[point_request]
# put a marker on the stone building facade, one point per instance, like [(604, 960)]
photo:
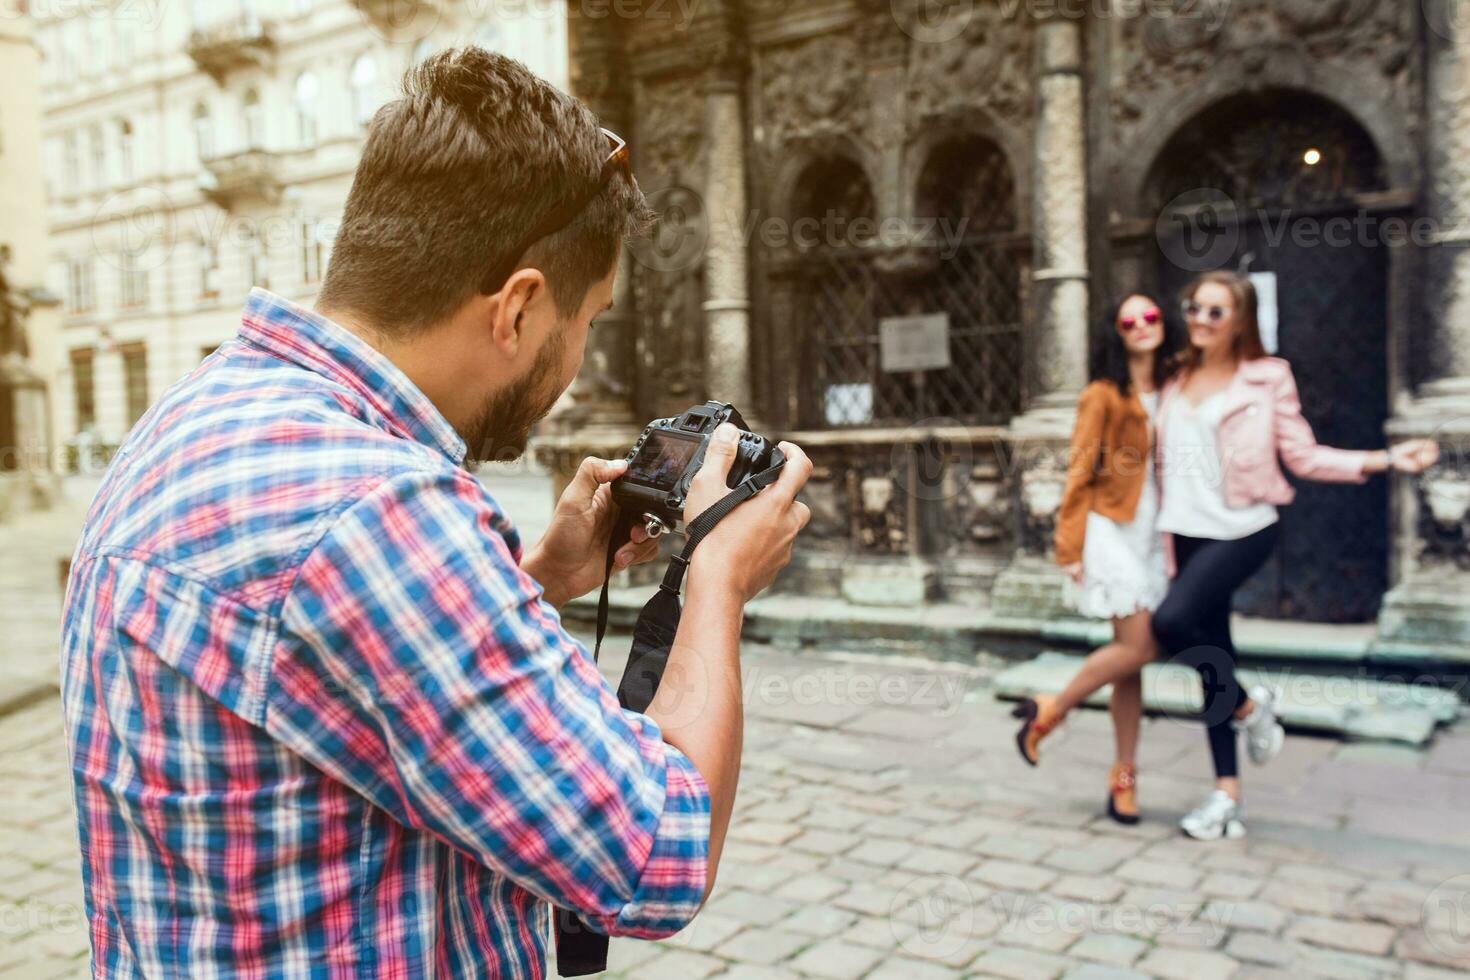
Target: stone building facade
[(825, 165)]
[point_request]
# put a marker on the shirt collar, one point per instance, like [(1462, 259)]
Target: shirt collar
[(302, 336)]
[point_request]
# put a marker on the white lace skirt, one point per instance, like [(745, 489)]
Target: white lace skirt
[(1123, 567)]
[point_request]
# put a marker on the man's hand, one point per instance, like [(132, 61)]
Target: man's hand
[(571, 557), (753, 542)]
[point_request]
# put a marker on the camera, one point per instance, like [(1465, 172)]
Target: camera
[(663, 461)]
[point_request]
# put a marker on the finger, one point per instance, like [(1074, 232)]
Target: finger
[(636, 554), (595, 472), (639, 535), (794, 474), (719, 456)]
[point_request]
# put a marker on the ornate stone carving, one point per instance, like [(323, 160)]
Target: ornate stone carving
[(811, 89), (1156, 55), (1444, 519), (670, 132), (988, 65)]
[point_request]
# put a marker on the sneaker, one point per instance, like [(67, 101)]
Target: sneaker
[(1264, 735), (1218, 816)]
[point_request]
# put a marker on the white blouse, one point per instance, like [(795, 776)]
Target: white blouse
[(1193, 482)]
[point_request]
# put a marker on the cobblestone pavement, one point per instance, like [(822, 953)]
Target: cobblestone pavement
[(886, 828)]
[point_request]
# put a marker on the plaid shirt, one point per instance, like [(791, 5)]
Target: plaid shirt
[(320, 721)]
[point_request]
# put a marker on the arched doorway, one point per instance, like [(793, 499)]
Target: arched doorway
[(956, 255), (1285, 181)]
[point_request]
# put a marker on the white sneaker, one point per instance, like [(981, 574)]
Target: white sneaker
[(1218, 816), (1264, 735)]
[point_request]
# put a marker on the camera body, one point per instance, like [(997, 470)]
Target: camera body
[(663, 461)]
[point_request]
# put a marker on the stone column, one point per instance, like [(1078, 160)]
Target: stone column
[(1056, 342), (726, 264), (1426, 616)]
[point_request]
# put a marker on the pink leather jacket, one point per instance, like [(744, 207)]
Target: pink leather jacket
[(1261, 426)]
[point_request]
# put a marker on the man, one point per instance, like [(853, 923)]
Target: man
[(322, 714)]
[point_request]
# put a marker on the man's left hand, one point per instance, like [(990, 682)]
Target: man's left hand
[(571, 557)]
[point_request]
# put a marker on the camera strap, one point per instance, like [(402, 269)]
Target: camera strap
[(579, 950)]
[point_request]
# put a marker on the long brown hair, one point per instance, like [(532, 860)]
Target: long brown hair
[(1248, 345)]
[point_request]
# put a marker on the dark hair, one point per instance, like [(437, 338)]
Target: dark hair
[(454, 173), (1110, 357), (1248, 344)]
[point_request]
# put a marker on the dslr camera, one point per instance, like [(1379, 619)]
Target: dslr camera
[(663, 461)]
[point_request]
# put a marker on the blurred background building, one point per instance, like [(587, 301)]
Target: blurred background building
[(829, 168), (193, 150)]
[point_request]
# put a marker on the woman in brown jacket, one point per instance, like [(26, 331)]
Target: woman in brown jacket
[(1107, 537)]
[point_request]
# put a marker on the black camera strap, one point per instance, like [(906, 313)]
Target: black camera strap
[(579, 950)]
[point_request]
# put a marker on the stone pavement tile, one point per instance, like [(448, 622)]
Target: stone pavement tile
[(1422, 823), (825, 842), (764, 947), (832, 817), (867, 899), (1092, 860), (1300, 898), (783, 811), (750, 908), (1223, 885), (1010, 874), (881, 851), (819, 920), (1230, 859), (755, 877), (904, 968), (1354, 937), (884, 934), (1418, 971), (708, 930), (1187, 964), (1317, 876), (1246, 916), (1434, 947), (677, 964), (763, 832), (1087, 888), (625, 956), (965, 832), (837, 959), (902, 723), (1019, 964), (811, 889), (935, 860), (1254, 947), (852, 871), (1111, 948), (744, 852), (1102, 971), (1399, 903), (1010, 847)]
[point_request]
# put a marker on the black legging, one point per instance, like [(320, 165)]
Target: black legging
[(1193, 625)]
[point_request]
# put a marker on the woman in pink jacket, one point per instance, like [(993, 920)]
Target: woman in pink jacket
[(1225, 423)]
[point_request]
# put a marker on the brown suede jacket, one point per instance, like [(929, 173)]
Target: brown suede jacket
[(1106, 468)]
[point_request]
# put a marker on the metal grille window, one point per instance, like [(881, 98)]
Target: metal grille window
[(959, 259), (84, 388), (135, 379)]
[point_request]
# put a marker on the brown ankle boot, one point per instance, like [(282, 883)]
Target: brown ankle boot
[(1039, 717), (1122, 793)]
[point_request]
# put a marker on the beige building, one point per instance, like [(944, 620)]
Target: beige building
[(193, 150), (30, 333)]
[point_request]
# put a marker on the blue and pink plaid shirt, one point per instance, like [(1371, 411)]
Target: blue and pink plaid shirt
[(320, 721)]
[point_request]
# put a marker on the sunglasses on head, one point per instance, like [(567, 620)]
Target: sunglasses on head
[(1214, 314), (1129, 322), (564, 215)]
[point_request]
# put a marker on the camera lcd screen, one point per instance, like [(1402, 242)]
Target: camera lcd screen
[(662, 460)]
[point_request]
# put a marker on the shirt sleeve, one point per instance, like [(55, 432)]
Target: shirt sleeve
[(418, 665)]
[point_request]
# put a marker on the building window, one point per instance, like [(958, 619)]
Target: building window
[(364, 89), (203, 132), (135, 379), (80, 292), (308, 93), (125, 151), (73, 152), (254, 114), (208, 271), (84, 387), (99, 155), (311, 252), (133, 282), (257, 263)]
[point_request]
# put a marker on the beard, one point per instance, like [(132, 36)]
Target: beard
[(501, 431)]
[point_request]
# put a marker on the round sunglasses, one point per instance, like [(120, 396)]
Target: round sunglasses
[(1214, 314), (1129, 322)]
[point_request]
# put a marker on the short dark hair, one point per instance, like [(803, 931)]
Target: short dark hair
[(454, 174)]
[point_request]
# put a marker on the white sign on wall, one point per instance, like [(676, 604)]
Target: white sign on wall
[(1269, 312), (914, 343)]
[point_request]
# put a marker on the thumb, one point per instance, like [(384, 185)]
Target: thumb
[(594, 472), (720, 455)]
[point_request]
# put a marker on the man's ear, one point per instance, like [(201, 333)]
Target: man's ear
[(521, 295)]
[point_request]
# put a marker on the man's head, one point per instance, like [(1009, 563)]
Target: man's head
[(453, 177)]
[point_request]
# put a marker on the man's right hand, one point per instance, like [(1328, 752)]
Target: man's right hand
[(750, 546)]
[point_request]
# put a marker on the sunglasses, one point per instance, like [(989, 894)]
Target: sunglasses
[(1129, 322), (565, 214), (1214, 314)]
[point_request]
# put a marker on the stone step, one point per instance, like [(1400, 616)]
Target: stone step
[(1357, 708)]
